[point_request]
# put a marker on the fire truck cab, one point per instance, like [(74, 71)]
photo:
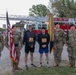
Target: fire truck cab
[(38, 23)]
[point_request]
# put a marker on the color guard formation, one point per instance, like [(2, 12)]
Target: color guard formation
[(29, 40)]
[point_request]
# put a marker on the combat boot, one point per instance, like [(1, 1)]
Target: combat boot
[(13, 67), (13, 70), (74, 66), (17, 68), (57, 65), (70, 65)]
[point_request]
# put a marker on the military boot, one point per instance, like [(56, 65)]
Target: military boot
[(13, 67), (17, 68), (57, 65), (70, 65), (74, 66)]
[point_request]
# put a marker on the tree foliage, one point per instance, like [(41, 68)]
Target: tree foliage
[(64, 8), (1, 29), (39, 10)]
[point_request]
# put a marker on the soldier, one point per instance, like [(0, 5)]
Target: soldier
[(72, 46), (29, 42), (59, 40), (43, 40), (1, 43), (18, 45)]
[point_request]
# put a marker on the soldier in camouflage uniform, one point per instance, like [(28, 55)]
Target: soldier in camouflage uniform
[(72, 46), (59, 41), (18, 45), (1, 43)]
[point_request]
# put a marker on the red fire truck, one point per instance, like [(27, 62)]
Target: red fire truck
[(63, 22)]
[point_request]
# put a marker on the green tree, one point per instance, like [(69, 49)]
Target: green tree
[(64, 8), (1, 29), (39, 10)]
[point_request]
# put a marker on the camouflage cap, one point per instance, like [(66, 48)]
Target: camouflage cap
[(71, 25), (13, 26)]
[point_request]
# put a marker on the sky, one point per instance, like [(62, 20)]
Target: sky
[(18, 7)]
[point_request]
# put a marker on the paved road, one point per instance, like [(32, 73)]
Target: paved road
[(5, 63)]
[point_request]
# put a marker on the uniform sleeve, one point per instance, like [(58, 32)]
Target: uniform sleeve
[(24, 38), (64, 37), (6, 42), (2, 42), (20, 38)]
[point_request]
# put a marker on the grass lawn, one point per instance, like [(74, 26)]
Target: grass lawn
[(64, 70)]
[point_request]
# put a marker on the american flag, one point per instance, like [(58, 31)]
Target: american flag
[(10, 40)]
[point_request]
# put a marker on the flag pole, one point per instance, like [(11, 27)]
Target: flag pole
[(10, 41), (50, 31)]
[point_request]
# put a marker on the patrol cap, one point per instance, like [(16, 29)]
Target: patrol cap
[(56, 24), (43, 28), (71, 25), (29, 24), (13, 26)]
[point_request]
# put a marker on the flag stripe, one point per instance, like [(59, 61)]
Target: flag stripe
[(10, 40)]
